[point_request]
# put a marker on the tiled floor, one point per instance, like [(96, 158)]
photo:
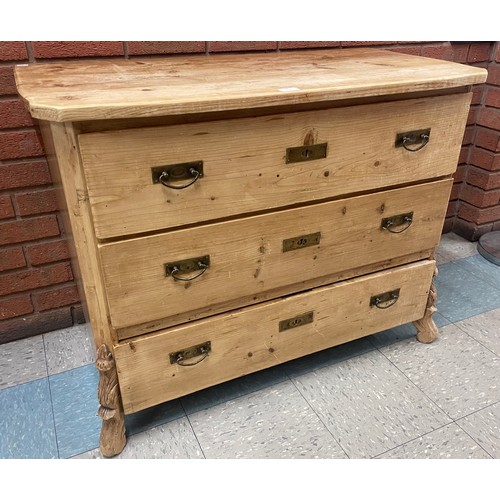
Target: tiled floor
[(384, 396)]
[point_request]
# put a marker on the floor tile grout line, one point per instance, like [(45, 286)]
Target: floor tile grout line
[(479, 444), (413, 439), (473, 338), (196, 436), (51, 400), (476, 411), (319, 418)]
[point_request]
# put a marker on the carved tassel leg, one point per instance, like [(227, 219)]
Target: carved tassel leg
[(427, 330), (110, 410)]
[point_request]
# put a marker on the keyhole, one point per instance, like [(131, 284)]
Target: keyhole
[(295, 322), (302, 241), (306, 153)]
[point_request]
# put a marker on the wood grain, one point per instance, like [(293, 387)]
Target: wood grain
[(342, 313), (244, 161), (246, 255), (96, 90)]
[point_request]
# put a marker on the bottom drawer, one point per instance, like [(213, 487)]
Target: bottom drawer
[(257, 337)]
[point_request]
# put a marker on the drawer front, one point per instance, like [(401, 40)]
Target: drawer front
[(247, 168), (260, 253), (250, 339)]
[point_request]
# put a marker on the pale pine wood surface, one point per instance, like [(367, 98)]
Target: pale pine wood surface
[(248, 340), (244, 161), (95, 90), (246, 255)]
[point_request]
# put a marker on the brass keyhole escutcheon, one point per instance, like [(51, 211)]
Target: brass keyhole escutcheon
[(301, 319)]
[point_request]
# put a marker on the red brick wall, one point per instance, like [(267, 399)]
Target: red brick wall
[(37, 291)]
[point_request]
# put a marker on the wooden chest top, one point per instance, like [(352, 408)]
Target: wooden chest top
[(99, 90)]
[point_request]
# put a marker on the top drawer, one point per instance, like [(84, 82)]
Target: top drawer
[(246, 167)]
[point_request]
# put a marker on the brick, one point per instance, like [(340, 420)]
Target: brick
[(150, 48), (13, 51), (441, 51), (365, 44), (53, 299), (448, 225), (489, 117), (241, 46), (482, 178), (455, 191), (45, 253), (307, 45), (11, 258), (452, 208), (497, 52), (37, 202), (459, 175), (78, 313), (480, 198), (472, 116), (14, 114), (459, 52), (493, 74), (6, 208), (412, 50), (488, 139), (49, 50), (28, 230), (26, 174), (20, 144), (479, 52), (21, 281), (477, 93), (493, 97), (7, 81), (468, 135), (469, 230), (35, 324), (15, 306), (485, 159), (478, 215), (464, 155)]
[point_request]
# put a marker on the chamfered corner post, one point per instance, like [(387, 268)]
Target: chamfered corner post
[(112, 440), (427, 330)]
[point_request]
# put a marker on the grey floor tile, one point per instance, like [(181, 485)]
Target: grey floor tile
[(68, 348), (453, 247), (275, 422), (484, 427), (74, 399), (328, 357), (462, 294), (485, 328), (448, 442), (368, 405), (22, 361), (26, 422), (173, 440), (152, 417), (388, 337), (456, 372), (233, 389)]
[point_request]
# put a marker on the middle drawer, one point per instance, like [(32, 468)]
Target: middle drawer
[(244, 257)]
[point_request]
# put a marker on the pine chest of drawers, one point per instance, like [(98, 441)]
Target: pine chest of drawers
[(233, 212)]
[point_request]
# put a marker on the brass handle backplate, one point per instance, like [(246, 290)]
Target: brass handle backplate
[(187, 266), (389, 223), (180, 357), (385, 300), (306, 153), (170, 175), (301, 319), (407, 139)]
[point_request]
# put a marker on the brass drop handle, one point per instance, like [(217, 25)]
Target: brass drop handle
[(175, 271), (407, 140), (179, 359), (387, 298), (389, 223), (163, 178)]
